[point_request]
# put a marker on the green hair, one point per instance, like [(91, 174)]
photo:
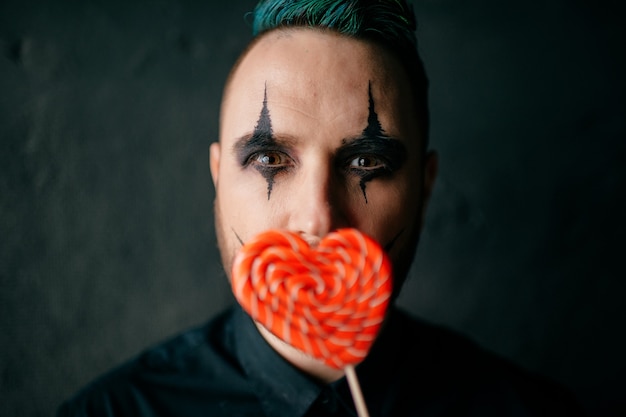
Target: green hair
[(389, 23), (390, 19)]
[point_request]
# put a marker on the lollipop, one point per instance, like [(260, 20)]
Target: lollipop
[(328, 301)]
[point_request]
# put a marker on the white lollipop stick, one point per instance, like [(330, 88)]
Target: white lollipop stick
[(355, 389)]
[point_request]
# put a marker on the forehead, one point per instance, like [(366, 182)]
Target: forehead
[(321, 77)]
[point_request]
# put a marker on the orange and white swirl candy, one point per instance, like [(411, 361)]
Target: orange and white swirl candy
[(328, 301)]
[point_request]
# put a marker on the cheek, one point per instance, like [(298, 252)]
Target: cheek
[(392, 211), (236, 219), (244, 206)]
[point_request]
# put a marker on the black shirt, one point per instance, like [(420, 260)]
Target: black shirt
[(225, 368)]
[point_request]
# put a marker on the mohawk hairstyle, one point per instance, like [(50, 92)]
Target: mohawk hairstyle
[(389, 23)]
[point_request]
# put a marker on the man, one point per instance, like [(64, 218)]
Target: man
[(323, 125)]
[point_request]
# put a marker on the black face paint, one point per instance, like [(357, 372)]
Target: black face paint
[(264, 124), (237, 236), (392, 242), (373, 129), (261, 149), (375, 153), (372, 134)]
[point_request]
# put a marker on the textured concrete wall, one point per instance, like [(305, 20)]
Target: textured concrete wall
[(106, 236)]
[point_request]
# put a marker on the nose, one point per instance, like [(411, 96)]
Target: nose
[(317, 206)]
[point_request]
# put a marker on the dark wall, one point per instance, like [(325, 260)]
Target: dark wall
[(106, 229)]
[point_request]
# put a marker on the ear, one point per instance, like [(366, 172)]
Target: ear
[(431, 167), (214, 161)]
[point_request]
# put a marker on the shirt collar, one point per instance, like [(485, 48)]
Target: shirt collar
[(280, 387), (283, 390)]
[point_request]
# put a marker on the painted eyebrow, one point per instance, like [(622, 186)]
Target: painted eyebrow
[(253, 142), (261, 138), (391, 148), (373, 140), (258, 142)]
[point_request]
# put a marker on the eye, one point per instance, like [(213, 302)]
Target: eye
[(367, 162), (269, 159)]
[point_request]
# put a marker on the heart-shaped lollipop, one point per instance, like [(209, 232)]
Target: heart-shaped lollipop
[(328, 301)]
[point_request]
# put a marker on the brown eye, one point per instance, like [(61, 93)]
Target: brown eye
[(269, 159), (367, 162)]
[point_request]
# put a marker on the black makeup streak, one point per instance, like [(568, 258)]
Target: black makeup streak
[(390, 244), (264, 124), (373, 130), (262, 137), (237, 236), (373, 143)]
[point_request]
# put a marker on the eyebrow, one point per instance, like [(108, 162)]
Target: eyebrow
[(258, 142), (374, 140), (392, 148), (261, 138)]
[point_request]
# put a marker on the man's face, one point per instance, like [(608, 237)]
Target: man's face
[(319, 131)]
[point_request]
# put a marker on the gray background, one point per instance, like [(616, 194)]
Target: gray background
[(106, 112)]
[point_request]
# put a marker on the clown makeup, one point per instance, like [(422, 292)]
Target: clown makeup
[(373, 154), (261, 150), (390, 244), (368, 156), (237, 236), (318, 132)]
